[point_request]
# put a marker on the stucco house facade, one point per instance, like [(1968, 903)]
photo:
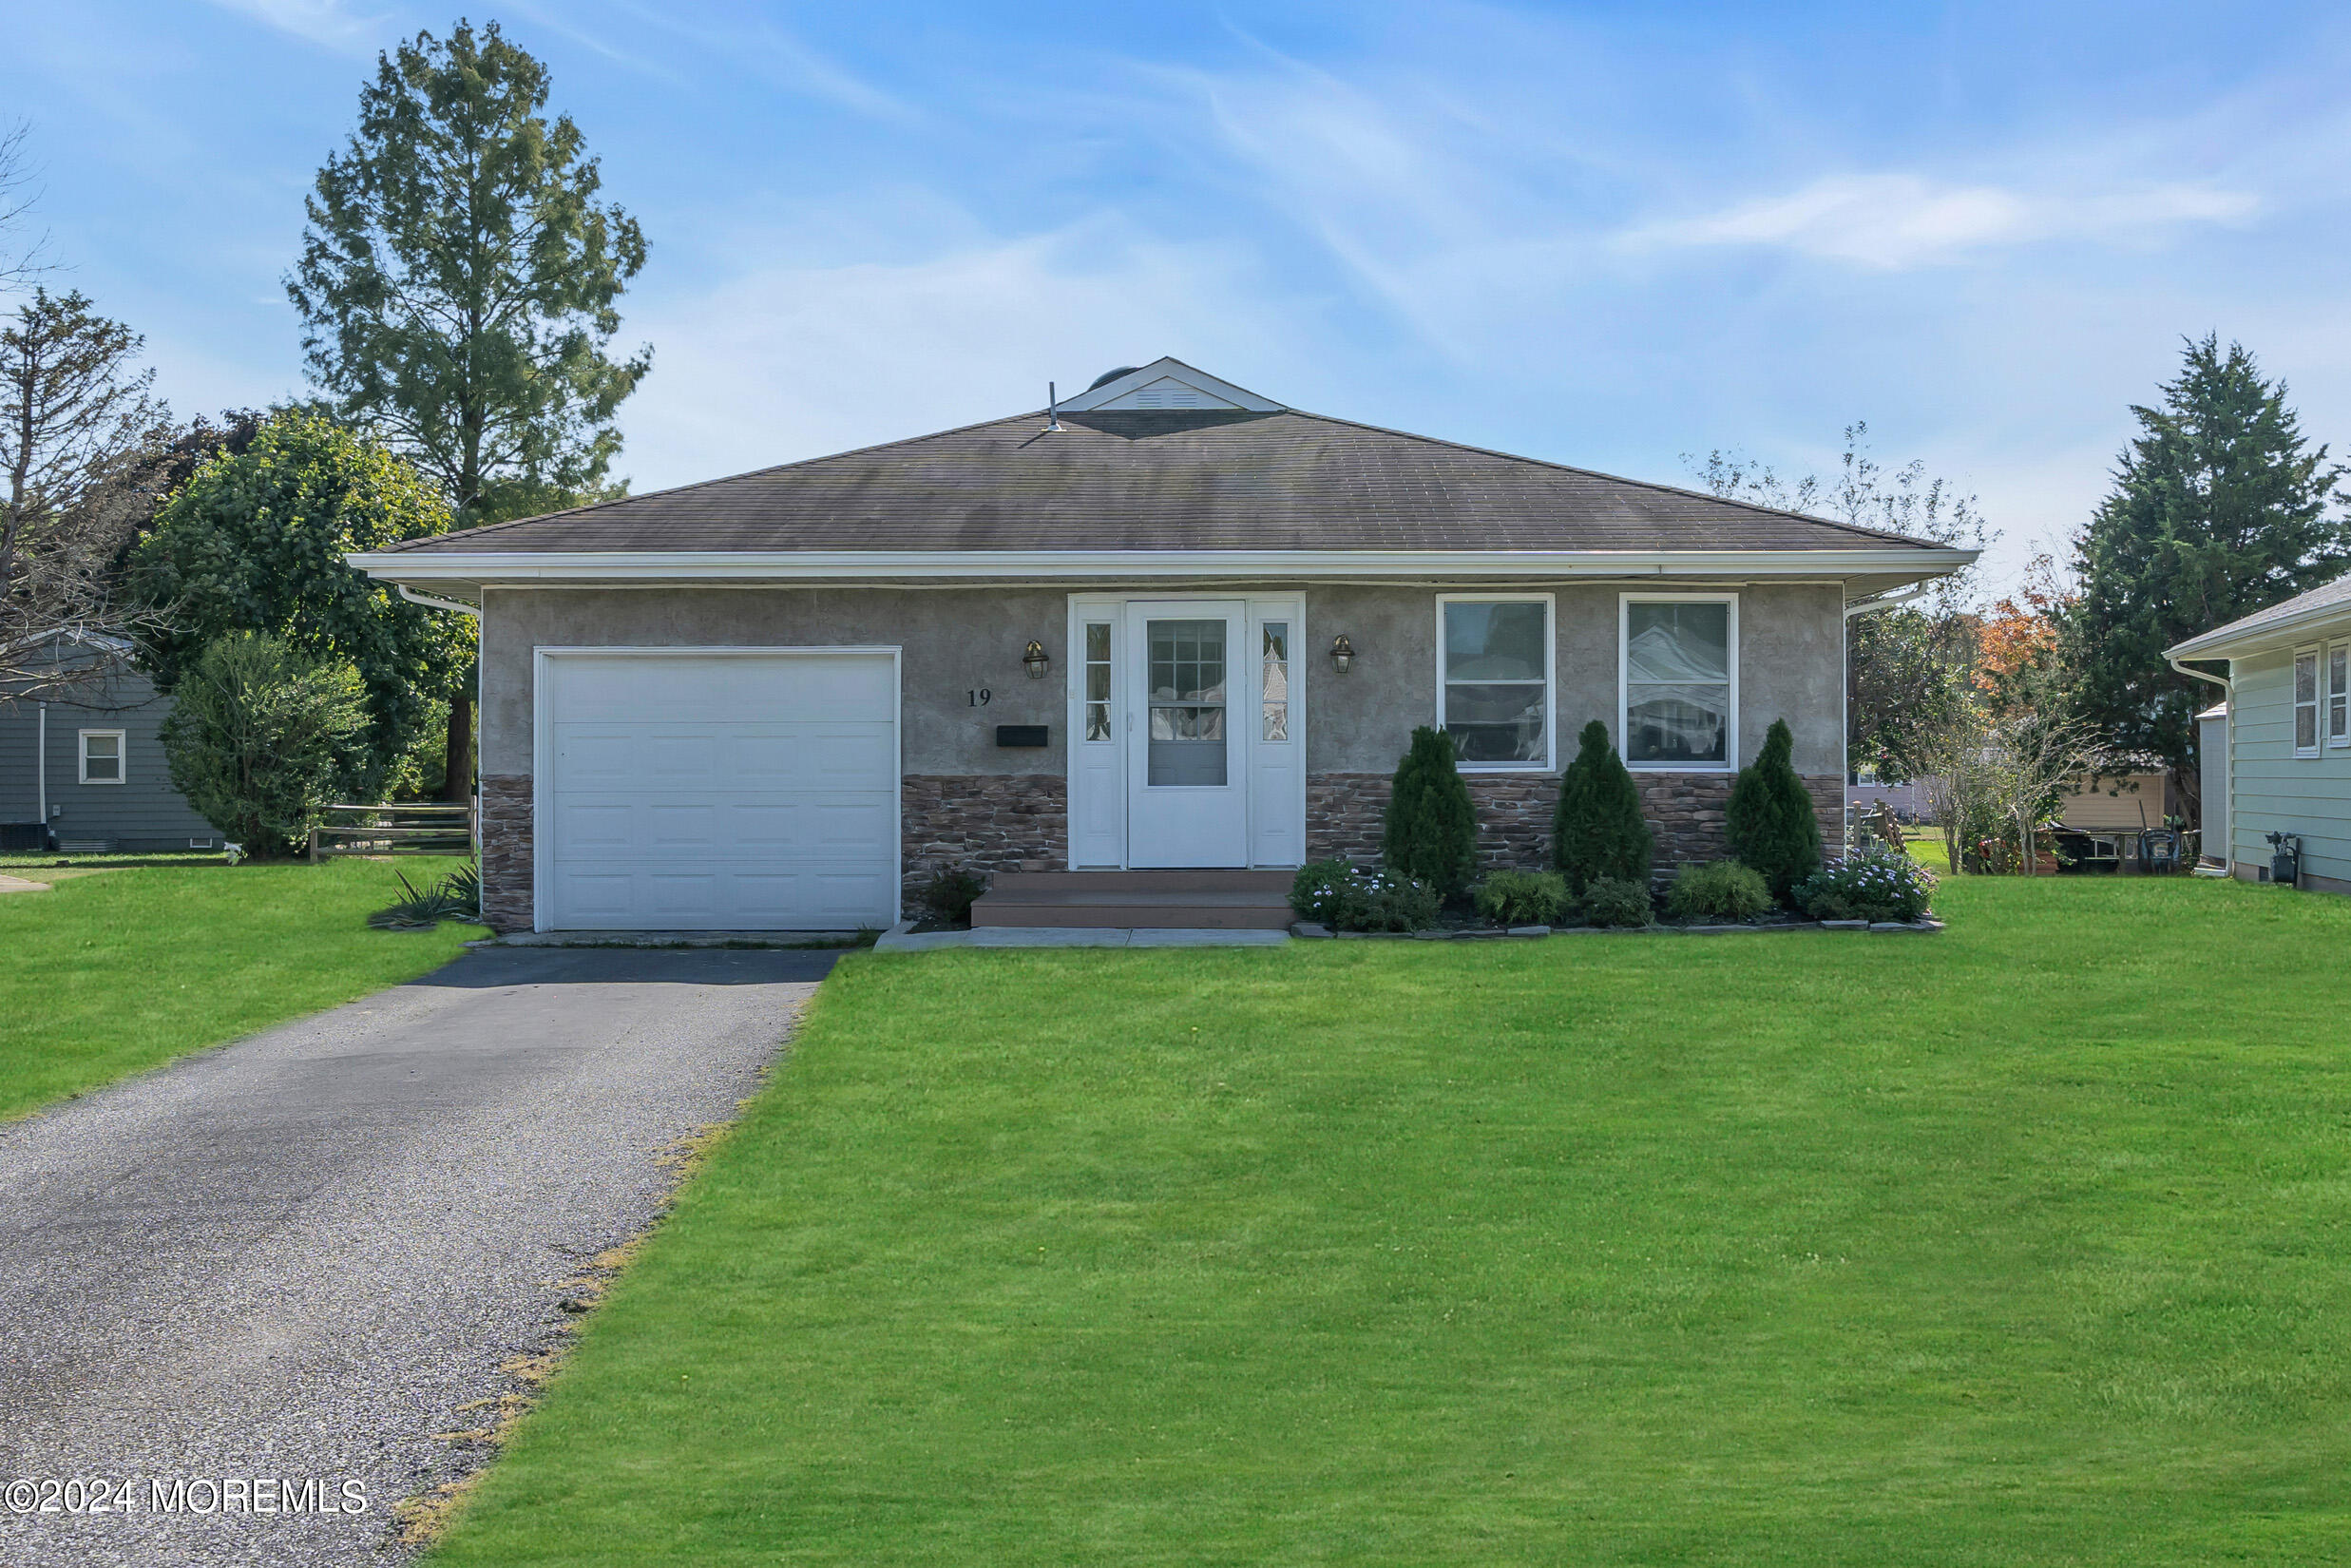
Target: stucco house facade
[(1169, 625), (2285, 734)]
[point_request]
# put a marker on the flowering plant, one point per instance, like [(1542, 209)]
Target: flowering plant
[(1873, 884), (1349, 898)]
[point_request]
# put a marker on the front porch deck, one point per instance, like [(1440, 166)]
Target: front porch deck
[(1225, 901)]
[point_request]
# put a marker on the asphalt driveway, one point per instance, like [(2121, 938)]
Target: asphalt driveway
[(295, 1260)]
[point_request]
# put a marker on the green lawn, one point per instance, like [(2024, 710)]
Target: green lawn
[(2025, 1243), (112, 972)]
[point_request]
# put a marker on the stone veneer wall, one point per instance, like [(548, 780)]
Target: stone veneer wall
[(1343, 814), (505, 852), (983, 822)]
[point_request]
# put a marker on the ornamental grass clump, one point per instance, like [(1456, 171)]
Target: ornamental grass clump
[(1769, 821), (1597, 829), (1723, 891), (1614, 901), (1523, 898), (1432, 834), (1876, 885)]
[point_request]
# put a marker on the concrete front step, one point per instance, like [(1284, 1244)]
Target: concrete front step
[(1112, 899)]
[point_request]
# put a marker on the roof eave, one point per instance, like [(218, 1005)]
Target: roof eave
[(591, 566), (2233, 641)]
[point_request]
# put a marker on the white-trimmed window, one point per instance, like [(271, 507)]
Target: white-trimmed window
[(1495, 653), (101, 757), (1677, 662), (2338, 695), (2306, 702)]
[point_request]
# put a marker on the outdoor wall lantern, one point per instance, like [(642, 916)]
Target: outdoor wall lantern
[(1033, 659), (1342, 653)]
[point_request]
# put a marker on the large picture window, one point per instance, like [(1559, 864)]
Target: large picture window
[(1494, 680), (1679, 669)]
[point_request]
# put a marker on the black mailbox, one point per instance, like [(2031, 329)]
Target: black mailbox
[(1021, 734)]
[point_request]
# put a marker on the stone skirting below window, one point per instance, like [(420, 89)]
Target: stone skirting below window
[(982, 822), (505, 852), (1344, 814)]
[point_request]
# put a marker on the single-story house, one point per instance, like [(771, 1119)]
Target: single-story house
[(82, 767), (1169, 624), (2286, 731)]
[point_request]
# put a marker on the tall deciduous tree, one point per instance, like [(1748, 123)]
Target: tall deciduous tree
[(2219, 509), (76, 419), (1907, 668), (458, 287), (255, 543)]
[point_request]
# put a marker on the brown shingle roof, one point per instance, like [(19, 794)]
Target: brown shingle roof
[(1169, 481)]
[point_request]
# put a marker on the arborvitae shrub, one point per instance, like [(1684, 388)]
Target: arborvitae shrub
[(1770, 823), (1598, 830), (1433, 831)]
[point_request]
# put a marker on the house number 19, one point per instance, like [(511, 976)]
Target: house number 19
[(978, 697)]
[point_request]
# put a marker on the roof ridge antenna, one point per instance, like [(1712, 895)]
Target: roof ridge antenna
[(1053, 409)]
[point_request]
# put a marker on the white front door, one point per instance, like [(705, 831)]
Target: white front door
[(1187, 758)]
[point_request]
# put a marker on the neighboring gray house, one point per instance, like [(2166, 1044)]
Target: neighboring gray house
[(2287, 732), (1171, 626), (88, 764)]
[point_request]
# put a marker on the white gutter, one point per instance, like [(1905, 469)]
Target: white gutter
[(41, 768), (431, 603), (522, 566), (1886, 602)]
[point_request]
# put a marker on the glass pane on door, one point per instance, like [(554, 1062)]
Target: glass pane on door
[(1187, 701)]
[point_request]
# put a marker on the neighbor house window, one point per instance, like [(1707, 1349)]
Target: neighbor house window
[(101, 757), (2338, 695), (1274, 657), (1678, 665), (2307, 703), (1098, 680), (1494, 680)]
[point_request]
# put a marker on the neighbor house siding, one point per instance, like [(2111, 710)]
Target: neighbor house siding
[(141, 812), (2276, 791)]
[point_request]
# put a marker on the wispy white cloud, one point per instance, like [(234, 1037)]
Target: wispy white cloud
[(780, 57), (1898, 221), (330, 24)]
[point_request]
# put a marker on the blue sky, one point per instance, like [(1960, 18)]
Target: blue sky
[(1608, 235)]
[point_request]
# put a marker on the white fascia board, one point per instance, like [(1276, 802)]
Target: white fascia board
[(2324, 621), (1171, 368), (526, 567)]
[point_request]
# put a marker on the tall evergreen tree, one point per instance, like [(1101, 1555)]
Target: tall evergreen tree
[(2218, 511), (1769, 821), (458, 284), (1431, 833)]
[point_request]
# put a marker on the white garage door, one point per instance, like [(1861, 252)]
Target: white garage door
[(707, 791)]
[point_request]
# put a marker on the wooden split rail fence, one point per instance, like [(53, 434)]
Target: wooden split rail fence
[(393, 830)]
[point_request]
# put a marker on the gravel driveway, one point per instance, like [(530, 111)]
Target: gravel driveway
[(300, 1257)]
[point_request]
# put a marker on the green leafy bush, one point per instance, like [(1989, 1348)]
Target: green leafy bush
[(1769, 822), (260, 738), (1873, 884), (1615, 900), (1432, 831), (1723, 891), (950, 896), (1597, 829), (1523, 898), (1349, 899)]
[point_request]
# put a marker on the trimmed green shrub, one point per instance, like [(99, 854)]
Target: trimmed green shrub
[(1432, 831), (260, 738), (1314, 892), (1723, 891), (1770, 823), (1522, 898), (1614, 901), (1872, 884), (1597, 829), (949, 895)]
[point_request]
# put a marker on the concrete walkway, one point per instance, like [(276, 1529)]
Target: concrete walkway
[(299, 1258)]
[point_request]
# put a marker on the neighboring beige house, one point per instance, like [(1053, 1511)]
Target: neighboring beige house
[(1171, 625), (2287, 731)]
